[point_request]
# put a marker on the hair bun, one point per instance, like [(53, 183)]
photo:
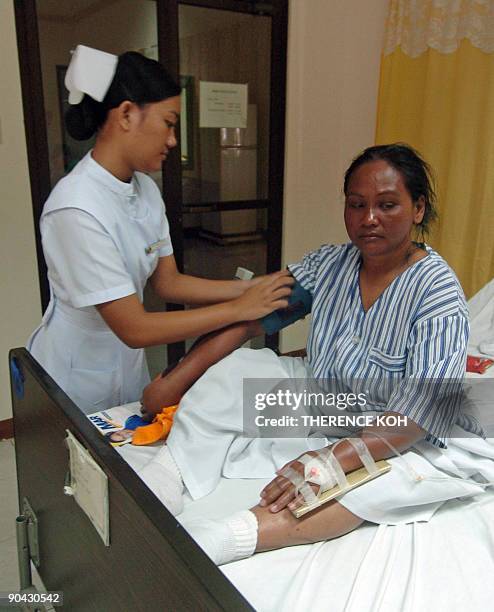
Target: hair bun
[(83, 119)]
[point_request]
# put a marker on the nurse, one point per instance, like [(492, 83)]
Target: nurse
[(105, 233)]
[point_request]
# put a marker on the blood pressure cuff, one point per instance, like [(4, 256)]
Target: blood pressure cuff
[(299, 305)]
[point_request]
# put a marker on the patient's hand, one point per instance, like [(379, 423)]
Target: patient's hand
[(160, 393), (262, 298), (208, 350), (280, 492)]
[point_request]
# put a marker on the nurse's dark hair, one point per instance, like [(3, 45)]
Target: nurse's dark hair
[(415, 172), (137, 78)]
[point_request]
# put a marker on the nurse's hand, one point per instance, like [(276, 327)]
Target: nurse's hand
[(269, 294), (261, 278)]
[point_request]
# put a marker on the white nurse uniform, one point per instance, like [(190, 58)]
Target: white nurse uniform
[(102, 239)]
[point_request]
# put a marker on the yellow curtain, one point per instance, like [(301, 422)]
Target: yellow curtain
[(437, 94)]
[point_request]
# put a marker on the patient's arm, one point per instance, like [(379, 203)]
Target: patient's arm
[(167, 390), (280, 492)]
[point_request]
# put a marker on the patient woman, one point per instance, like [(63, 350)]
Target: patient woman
[(388, 314)]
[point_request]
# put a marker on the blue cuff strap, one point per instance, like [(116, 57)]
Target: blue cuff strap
[(299, 305)]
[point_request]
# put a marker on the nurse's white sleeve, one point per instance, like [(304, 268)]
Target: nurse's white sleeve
[(167, 248), (84, 265)]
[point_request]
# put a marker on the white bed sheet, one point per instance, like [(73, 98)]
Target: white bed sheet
[(481, 310), (443, 565)]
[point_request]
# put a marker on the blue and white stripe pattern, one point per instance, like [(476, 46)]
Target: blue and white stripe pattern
[(407, 352)]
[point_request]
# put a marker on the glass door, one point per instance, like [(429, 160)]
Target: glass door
[(224, 169), (229, 208)]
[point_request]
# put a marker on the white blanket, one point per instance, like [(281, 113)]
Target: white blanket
[(444, 565)]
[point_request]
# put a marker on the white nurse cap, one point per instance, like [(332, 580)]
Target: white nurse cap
[(90, 72)]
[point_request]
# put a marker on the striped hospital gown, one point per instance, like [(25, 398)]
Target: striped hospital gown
[(407, 352)]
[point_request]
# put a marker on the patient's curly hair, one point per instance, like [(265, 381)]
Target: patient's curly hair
[(415, 171)]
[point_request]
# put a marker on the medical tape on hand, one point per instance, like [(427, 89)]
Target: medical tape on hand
[(362, 451), (414, 475), (324, 470), (329, 456), (318, 472), (338, 471), (298, 481), (305, 490), (292, 475)]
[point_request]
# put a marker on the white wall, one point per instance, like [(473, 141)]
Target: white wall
[(20, 307), (334, 53)]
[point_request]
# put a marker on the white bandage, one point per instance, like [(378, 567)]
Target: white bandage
[(298, 481), (319, 471), (324, 470)]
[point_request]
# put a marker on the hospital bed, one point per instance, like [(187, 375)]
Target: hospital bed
[(152, 563)]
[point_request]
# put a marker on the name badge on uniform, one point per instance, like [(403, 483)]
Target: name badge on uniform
[(155, 246)]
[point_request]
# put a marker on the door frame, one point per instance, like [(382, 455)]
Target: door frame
[(33, 106), (168, 47)]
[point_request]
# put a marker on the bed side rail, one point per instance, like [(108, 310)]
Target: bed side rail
[(151, 564)]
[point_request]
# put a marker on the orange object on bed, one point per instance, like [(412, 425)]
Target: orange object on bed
[(157, 430)]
